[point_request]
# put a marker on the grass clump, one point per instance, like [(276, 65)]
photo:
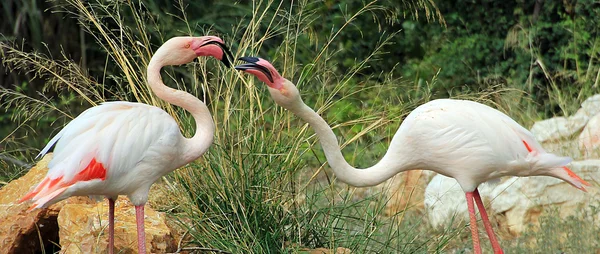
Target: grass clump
[(260, 188), (264, 186), (576, 233)]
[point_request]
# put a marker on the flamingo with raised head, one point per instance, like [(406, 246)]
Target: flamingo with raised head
[(465, 140), (122, 148)]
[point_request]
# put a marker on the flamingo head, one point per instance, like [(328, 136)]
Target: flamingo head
[(282, 90), (184, 49)]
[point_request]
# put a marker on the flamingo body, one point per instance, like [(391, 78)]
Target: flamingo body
[(470, 142), (465, 140), (116, 148), (122, 148)]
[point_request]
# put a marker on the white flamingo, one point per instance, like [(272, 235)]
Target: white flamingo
[(122, 148), (465, 140)]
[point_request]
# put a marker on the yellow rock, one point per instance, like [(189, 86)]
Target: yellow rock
[(83, 228), (82, 222), (20, 231)]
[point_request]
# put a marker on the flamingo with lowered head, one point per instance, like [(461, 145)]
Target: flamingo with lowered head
[(465, 140), (122, 148)]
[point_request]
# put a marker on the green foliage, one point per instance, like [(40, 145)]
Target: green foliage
[(551, 56), (264, 187), (249, 194)]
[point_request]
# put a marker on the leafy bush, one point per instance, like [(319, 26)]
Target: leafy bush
[(347, 57)]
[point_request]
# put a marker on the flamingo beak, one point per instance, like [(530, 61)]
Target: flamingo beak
[(252, 64), (227, 56)]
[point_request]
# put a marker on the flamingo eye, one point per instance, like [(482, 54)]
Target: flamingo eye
[(187, 46)]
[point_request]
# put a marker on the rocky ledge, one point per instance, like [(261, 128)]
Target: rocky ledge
[(77, 224)]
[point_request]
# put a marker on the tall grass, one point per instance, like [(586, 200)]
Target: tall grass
[(577, 233), (574, 79), (262, 187)]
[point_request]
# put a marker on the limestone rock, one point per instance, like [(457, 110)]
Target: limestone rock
[(579, 119), (591, 106), (589, 139), (589, 170), (517, 201), (20, 230), (520, 201), (84, 229), (17, 227), (445, 201), (554, 129), (561, 127)]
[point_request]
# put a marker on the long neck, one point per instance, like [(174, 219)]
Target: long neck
[(205, 129), (383, 170)]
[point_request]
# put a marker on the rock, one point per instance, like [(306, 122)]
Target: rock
[(17, 227), (578, 120), (445, 201), (561, 127), (517, 202), (589, 170), (589, 139), (20, 231), (83, 228), (591, 106), (554, 129), (520, 201)]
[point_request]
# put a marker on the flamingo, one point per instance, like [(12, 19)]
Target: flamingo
[(465, 140), (122, 148)]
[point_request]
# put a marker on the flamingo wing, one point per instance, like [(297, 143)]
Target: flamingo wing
[(527, 139), (537, 156), (101, 144)]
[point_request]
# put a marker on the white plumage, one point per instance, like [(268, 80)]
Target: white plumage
[(105, 133), (122, 148), (470, 142), (465, 140)]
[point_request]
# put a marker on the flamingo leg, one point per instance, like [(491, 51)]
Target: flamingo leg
[(474, 232), (111, 225), (487, 224), (139, 217)]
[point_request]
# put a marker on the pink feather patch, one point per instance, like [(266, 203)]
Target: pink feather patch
[(94, 170)]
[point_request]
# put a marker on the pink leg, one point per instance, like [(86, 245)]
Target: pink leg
[(139, 217), (111, 225), (474, 232), (487, 224)]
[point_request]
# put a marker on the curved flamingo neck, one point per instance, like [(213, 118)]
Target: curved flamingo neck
[(195, 146), (383, 170)]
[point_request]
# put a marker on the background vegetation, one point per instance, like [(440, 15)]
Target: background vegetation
[(364, 65)]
